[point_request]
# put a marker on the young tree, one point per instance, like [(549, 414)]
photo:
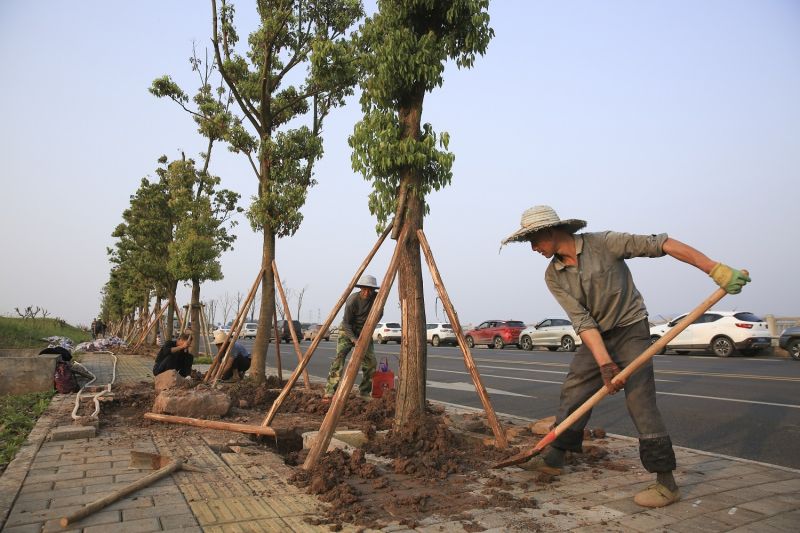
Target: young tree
[(298, 67), (404, 49)]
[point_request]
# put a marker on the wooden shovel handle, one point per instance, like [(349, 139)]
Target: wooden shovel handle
[(645, 356)]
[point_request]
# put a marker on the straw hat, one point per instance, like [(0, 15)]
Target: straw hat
[(219, 336), (541, 217), (367, 282)]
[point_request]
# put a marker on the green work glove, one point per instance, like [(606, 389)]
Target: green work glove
[(728, 278)]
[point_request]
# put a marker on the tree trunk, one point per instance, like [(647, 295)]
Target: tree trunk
[(171, 312), (153, 335), (194, 309), (261, 344), (414, 348)]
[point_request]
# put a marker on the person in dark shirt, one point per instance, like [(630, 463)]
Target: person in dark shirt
[(356, 311), (589, 278), (238, 353), (174, 355)]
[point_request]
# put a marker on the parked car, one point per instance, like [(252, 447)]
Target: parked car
[(495, 333), (440, 333), (721, 332), (554, 333), (313, 331), (387, 331), (249, 330), (790, 341), (286, 334)]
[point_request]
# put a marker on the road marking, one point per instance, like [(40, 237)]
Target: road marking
[(495, 376), (729, 399), (471, 387)]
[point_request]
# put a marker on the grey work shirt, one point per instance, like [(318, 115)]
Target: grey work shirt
[(599, 292), (356, 311)]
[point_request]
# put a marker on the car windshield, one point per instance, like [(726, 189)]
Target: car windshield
[(748, 317), (447, 326), (515, 324), (393, 325)]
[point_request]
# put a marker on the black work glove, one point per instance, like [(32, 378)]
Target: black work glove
[(608, 371)]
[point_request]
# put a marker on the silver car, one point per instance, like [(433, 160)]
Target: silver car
[(554, 333)]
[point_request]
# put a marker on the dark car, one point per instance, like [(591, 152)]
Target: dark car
[(790, 341), (286, 334), (495, 333)]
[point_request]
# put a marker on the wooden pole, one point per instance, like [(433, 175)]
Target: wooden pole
[(204, 330), (218, 366), (643, 358), (114, 496), (328, 321), (151, 324), (212, 424), (292, 332), (499, 434), (277, 348), (342, 392)]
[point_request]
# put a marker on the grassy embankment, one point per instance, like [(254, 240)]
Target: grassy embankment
[(28, 333), (19, 413)]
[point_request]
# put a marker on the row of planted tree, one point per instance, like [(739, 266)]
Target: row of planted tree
[(267, 100)]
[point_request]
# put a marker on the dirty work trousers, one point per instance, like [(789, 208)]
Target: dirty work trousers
[(624, 344), (240, 363), (368, 364), (180, 361)]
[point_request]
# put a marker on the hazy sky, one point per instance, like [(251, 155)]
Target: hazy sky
[(680, 117)]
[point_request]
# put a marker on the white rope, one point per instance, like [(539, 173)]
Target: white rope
[(97, 396)]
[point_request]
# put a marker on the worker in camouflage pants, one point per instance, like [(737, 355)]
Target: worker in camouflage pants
[(356, 311)]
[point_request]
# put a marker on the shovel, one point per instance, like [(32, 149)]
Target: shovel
[(645, 356), (163, 466)]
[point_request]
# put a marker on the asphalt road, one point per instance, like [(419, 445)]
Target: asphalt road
[(743, 407)]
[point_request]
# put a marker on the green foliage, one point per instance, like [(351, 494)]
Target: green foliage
[(18, 415), (404, 48), (292, 35), (21, 333)]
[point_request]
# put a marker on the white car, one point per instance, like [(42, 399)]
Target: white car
[(249, 330), (554, 333), (721, 332), (387, 331), (440, 333)]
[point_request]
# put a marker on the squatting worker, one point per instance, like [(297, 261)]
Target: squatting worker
[(174, 355), (588, 276), (238, 354), (356, 310)]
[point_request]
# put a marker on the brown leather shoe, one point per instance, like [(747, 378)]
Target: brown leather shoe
[(657, 495), (537, 464)]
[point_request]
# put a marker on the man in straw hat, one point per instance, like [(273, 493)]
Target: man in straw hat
[(588, 277), (238, 353), (356, 310)]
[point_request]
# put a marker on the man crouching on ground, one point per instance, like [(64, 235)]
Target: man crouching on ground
[(589, 278), (174, 355)]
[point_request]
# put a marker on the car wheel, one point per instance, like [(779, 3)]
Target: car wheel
[(722, 347), (498, 343), (653, 340), (794, 349), (567, 344), (435, 340), (380, 340), (470, 342), (526, 343)]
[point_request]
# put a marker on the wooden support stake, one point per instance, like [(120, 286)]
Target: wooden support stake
[(212, 424), (292, 332), (277, 348), (114, 496), (204, 331), (233, 334), (150, 325), (328, 321), (342, 392), (499, 434)]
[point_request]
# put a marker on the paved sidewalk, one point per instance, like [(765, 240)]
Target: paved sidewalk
[(248, 491)]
